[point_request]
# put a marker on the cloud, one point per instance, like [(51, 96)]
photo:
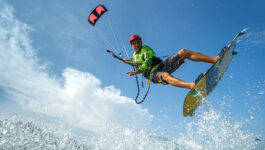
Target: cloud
[(76, 97)]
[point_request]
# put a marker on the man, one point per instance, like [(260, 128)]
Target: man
[(158, 71)]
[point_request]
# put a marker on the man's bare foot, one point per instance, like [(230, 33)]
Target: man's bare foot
[(217, 58), (192, 85)]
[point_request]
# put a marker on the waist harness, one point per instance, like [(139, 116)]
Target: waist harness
[(155, 61)]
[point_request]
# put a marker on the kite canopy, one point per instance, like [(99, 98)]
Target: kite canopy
[(96, 14)]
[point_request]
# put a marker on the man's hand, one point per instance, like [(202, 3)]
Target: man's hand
[(127, 61), (132, 73)]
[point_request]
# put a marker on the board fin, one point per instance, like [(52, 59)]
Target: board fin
[(234, 52)]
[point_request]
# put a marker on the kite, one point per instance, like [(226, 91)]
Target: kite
[(96, 14)]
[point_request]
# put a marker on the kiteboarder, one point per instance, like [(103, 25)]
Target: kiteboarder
[(159, 71)]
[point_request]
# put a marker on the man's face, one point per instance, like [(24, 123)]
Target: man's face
[(136, 44)]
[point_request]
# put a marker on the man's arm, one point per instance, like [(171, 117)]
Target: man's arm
[(131, 62)]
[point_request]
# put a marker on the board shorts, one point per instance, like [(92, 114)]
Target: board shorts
[(169, 65)]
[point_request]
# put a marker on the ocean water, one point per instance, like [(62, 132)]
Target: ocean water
[(210, 130)]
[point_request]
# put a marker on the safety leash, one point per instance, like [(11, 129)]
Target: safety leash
[(138, 91), (137, 81)]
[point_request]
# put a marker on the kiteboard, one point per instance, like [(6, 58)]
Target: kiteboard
[(210, 79)]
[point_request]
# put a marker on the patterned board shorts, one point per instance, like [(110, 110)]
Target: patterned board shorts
[(169, 65)]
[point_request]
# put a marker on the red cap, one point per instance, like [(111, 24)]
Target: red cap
[(133, 37)]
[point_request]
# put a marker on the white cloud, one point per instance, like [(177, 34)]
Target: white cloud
[(76, 97)]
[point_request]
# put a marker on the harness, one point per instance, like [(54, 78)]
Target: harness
[(156, 63)]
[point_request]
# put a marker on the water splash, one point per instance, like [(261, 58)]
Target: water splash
[(211, 130), (17, 133)]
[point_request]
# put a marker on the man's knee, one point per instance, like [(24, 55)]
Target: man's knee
[(184, 53), (166, 76)]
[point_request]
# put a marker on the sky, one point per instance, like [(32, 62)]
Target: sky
[(54, 63)]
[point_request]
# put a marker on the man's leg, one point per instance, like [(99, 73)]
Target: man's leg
[(175, 81), (195, 56)]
